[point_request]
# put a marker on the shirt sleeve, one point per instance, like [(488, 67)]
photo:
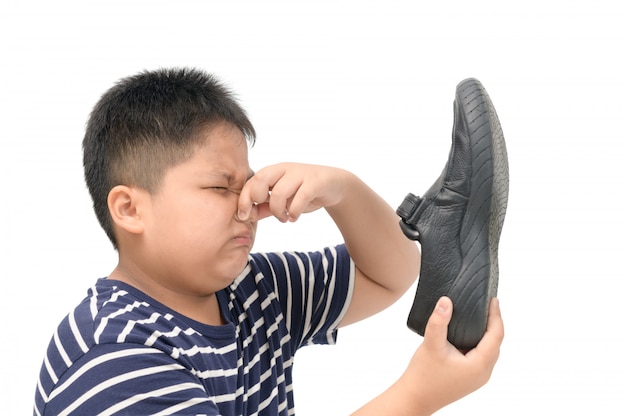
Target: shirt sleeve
[(314, 290), (127, 379)]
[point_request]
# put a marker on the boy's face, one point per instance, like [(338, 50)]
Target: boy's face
[(194, 243)]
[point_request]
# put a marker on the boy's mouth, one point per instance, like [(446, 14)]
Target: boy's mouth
[(244, 240)]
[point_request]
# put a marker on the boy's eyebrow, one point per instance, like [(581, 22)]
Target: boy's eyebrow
[(228, 176)]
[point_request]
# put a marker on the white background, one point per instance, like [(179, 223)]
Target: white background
[(367, 86)]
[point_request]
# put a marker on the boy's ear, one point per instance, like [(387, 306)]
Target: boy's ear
[(125, 206)]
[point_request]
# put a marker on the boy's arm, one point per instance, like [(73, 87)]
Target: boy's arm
[(387, 263)]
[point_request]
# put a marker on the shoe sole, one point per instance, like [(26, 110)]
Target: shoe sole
[(477, 280)]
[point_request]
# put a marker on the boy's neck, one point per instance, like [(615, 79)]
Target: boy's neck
[(205, 309)]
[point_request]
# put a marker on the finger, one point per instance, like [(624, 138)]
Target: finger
[(495, 325), (262, 211), (257, 213), (281, 186), (281, 196), (436, 333), (302, 199), (256, 191), (489, 345)]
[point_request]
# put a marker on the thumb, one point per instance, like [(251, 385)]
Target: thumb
[(436, 332)]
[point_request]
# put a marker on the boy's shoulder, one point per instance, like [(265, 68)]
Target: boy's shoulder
[(114, 316), (116, 313), (103, 315)]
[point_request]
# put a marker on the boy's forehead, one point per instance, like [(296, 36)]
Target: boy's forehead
[(215, 162), (221, 136), (221, 128)]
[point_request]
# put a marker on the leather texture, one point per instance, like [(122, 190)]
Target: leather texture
[(458, 220)]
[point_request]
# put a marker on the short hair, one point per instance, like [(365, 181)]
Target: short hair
[(147, 123)]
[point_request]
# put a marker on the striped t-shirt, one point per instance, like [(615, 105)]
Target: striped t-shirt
[(122, 353)]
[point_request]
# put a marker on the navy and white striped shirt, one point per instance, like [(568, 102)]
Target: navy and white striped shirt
[(121, 352)]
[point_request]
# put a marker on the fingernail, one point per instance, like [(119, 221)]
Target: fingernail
[(242, 215), (442, 306)]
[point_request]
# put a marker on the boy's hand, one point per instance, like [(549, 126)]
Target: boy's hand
[(287, 190), (439, 373)]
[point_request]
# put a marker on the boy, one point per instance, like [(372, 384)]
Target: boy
[(190, 322)]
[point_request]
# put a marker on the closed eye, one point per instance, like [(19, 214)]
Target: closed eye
[(224, 189), (216, 188)]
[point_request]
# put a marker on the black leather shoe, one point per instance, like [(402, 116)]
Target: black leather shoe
[(459, 219)]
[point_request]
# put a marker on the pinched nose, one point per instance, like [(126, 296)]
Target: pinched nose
[(251, 216)]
